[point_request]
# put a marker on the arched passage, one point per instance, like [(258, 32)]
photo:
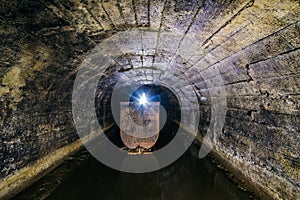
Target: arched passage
[(246, 52)]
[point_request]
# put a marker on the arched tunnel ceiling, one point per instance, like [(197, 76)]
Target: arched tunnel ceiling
[(247, 50), (223, 35)]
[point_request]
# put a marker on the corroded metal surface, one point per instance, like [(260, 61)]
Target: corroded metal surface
[(139, 125)]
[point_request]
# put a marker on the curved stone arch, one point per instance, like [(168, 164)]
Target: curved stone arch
[(129, 43), (95, 65)]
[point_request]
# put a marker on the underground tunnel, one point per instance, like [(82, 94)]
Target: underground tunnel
[(148, 99)]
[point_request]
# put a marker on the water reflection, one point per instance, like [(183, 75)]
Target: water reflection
[(188, 178)]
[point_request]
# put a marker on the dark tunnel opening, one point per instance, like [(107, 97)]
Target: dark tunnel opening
[(239, 56), (155, 93)]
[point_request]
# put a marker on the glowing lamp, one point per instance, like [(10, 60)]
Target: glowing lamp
[(143, 99)]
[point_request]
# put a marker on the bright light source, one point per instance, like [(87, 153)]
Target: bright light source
[(143, 99)]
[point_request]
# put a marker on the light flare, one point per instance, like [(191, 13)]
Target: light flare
[(143, 99)]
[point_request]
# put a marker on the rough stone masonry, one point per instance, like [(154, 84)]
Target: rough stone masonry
[(253, 45)]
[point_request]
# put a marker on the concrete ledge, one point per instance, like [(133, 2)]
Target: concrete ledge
[(244, 172), (238, 174), (14, 184)]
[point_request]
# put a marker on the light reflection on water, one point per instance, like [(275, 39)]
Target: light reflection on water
[(189, 178)]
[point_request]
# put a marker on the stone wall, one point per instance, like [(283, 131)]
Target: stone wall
[(36, 83), (248, 50)]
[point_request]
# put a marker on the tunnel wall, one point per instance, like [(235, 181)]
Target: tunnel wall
[(37, 130), (261, 133), (254, 45)]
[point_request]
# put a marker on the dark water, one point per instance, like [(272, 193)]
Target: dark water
[(189, 178)]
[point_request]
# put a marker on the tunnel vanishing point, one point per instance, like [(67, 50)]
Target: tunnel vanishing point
[(236, 60)]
